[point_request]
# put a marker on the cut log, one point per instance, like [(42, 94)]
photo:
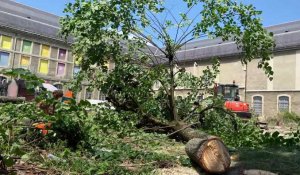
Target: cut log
[(210, 153), (205, 150)]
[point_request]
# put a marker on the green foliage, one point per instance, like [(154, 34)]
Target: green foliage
[(286, 119), (92, 139), (99, 26), (10, 145), (275, 139), (290, 117), (220, 124), (31, 79), (83, 139), (248, 134), (122, 31), (102, 32), (235, 21), (108, 21)]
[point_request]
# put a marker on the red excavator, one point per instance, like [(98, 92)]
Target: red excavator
[(230, 93)]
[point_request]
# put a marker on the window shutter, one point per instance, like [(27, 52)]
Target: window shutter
[(43, 66), (4, 59), (26, 46), (25, 61), (6, 42), (45, 51)]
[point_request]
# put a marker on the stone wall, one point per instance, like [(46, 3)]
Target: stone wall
[(270, 101)]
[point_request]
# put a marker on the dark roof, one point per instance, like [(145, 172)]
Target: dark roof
[(27, 19), (287, 37)]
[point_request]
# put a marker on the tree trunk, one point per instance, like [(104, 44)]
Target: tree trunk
[(186, 133), (172, 103), (210, 153)]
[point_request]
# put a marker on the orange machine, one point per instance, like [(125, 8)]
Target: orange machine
[(67, 96), (230, 93), (43, 127)]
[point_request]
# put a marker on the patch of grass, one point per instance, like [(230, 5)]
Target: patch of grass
[(289, 119), (130, 155), (276, 160)]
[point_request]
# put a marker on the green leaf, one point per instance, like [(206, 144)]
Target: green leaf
[(275, 134), (8, 161)]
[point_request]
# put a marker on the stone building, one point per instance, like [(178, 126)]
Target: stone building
[(267, 98), (29, 39)]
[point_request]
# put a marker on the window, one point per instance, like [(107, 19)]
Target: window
[(229, 92), (43, 67), (6, 42), (45, 52), (76, 70), (88, 94), (283, 103), (60, 69), (102, 96), (25, 61), (4, 59), (258, 104), (26, 48), (62, 54), (58, 86)]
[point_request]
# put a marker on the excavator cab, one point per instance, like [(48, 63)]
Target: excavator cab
[(230, 93)]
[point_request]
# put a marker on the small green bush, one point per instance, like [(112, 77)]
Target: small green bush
[(248, 134)]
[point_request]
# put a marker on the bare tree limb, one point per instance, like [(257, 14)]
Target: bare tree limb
[(178, 27)]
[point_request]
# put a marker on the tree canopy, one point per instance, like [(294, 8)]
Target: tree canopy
[(102, 28), (142, 37)]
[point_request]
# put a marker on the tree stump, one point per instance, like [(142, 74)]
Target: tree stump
[(210, 153)]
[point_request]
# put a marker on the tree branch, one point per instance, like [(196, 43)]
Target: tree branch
[(183, 128)]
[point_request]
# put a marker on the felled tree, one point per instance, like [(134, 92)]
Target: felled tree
[(142, 37), (123, 31)]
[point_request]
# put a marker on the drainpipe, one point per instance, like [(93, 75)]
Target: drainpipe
[(246, 75)]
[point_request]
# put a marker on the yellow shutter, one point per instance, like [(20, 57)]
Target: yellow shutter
[(6, 42), (45, 51), (25, 61), (43, 67)]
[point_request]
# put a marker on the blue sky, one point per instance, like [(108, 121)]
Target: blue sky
[(274, 11)]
